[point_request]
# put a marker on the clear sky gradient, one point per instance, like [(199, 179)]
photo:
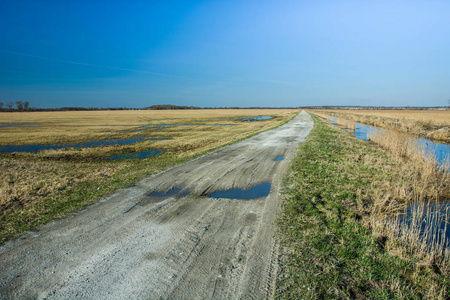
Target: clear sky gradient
[(225, 53)]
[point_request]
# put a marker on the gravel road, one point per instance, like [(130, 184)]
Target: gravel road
[(169, 237)]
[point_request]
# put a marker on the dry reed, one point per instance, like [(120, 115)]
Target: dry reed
[(425, 186), (431, 124)]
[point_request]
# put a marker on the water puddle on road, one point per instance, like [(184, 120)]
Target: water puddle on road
[(258, 191)]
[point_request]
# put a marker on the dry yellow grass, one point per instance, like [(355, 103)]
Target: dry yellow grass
[(439, 117), (31, 183), (64, 127), (433, 124)]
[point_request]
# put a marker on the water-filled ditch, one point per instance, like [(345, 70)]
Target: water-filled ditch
[(432, 221), (440, 151)]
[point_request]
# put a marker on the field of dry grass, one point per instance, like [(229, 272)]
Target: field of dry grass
[(36, 187), (432, 124)]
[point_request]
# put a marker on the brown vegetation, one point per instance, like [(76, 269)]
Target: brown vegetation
[(433, 124), (31, 182)]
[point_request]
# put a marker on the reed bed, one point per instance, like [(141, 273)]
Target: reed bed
[(428, 185), (430, 180), (432, 124)]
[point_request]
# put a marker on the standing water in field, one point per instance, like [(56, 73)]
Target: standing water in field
[(260, 118), (429, 221), (137, 155), (106, 142), (14, 125)]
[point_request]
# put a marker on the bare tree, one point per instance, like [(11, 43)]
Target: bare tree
[(26, 105), (9, 106), (19, 105), (1, 105)]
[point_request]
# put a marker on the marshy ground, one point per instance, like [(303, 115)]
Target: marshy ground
[(37, 187)]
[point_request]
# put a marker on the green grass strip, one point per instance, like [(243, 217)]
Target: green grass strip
[(327, 253)]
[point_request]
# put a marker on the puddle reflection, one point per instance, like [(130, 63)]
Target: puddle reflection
[(430, 220), (106, 142), (258, 191)]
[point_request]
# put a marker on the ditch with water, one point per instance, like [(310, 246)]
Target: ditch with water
[(433, 220)]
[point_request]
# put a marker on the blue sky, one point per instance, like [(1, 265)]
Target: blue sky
[(225, 53)]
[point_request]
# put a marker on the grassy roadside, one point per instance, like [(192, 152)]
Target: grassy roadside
[(37, 188), (331, 246)]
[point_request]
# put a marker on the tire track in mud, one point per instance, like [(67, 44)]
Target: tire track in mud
[(152, 241)]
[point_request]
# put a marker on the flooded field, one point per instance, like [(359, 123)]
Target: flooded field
[(260, 118), (66, 130), (54, 162), (12, 125), (106, 142), (137, 155)]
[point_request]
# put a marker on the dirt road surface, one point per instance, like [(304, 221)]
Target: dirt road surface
[(170, 236)]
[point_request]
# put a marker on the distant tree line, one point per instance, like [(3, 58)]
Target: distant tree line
[(20, 106), (170, 107), (25, 106)]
